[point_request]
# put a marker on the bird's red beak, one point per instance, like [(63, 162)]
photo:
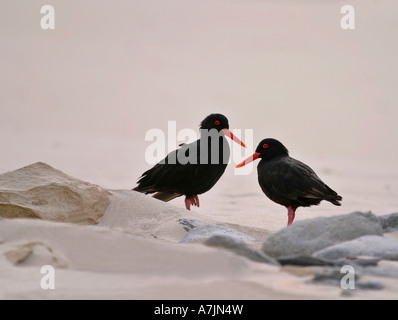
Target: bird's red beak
[(230, 135), (248, 160)]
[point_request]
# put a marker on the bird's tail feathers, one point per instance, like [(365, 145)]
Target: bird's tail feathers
[(336, 200), (166, 196)]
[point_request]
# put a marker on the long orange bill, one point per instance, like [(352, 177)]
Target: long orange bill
[(230, 135), (248, 160)]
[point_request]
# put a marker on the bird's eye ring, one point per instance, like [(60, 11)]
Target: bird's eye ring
[(217, 122), (265, 146)]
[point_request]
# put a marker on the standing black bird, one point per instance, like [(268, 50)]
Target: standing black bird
[(194, 168), (288, 181)]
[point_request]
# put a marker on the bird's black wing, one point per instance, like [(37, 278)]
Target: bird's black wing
[(186, 171), (169, 174), (291, 180)]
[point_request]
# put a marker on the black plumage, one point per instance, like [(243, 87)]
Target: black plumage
[(194, 168), (288, 181)]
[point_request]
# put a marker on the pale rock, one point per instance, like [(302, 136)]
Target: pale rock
[(372, 245), (35, 254), (40, 191)]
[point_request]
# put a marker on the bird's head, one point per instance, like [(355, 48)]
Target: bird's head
[(215, 121), (267, 149), (219, 122)]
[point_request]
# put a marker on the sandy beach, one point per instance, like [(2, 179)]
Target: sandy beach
[(78, 101), (136, 247)]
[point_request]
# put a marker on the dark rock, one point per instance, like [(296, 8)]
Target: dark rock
[(307, 236), (381, 271), (239, 248), (334, 276), (389, 222), (189, 224), (369, 285), (331, 275), (359, 262), (303, 260)]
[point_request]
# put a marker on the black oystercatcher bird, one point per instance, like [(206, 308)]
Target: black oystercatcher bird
[(288, 181), (194, 168)]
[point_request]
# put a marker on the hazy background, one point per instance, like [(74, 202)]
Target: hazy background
[(82, 96)]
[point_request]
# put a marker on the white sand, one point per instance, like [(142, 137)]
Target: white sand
[(134, 253), (98, 263)]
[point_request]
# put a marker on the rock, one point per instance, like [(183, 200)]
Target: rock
[(189, 224), (375, 246), (369, 285), (40, 191), (240, 248), (308, 236), (35, 254), (209, 230), (382, 271), (389, 222), (359, 262), (334, 276), (304, 261), (19, 254)]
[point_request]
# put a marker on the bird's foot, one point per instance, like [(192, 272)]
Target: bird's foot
[(290, 215), (194, 200)]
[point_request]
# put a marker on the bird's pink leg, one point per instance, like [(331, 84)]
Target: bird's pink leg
[(290, 215), (188, 203), (194, 200)]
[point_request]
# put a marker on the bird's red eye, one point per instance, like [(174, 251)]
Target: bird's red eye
[(217, 122), (265, 146)]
